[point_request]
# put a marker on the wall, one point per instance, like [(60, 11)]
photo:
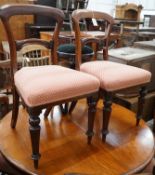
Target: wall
[(16, 22)]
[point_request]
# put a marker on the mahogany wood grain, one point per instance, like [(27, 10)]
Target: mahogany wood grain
[(128, 149)]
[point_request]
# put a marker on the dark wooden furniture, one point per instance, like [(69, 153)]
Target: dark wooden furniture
[(128, 149), (4, 105), (5, 71), (45, 85), (5, 83), (33, 31), (113, 77), (40, 23)]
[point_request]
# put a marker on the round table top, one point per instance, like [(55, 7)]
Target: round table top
[(63, 143)]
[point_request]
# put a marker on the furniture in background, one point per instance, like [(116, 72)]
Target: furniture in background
[(149, 20), (128, 11), (47, 24), (40, 23), (87, 43), (45, 85), (139, 57), (4, 105), (149, 26), (5, 72), (35, 55), (68, 6), (113, 77), (67, 37)]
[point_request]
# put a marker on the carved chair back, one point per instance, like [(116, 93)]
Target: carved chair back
[(83, 14), (7, 11)]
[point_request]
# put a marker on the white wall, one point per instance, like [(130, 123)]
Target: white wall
[(108, 6)]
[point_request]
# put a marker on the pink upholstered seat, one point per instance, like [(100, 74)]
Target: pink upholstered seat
[(53, 83), (115, 76)]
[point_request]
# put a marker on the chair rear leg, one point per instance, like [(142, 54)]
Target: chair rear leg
[(48, 110), (64, 109), (141, 101), (72, 106), (92, 101), (106, 114), (15, 108), (34, 129)]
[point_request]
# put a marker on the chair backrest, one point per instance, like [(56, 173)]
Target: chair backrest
[(84, 14), (35, 55), (7, 11)]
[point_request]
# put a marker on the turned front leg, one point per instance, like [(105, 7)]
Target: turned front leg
[(106, 114), (141, 102), (34, 129), (91, 116)]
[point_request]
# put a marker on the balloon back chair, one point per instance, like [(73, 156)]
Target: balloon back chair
[(113, 77), (45, 85), (100, 36)]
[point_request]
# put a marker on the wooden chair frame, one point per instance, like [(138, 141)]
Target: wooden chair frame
[(107, 96), (6, 12)]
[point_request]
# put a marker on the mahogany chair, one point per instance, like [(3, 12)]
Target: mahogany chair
[(105, 23), (113, 77), (45, 85)]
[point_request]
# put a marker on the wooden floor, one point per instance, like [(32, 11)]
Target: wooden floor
[(64, 148)]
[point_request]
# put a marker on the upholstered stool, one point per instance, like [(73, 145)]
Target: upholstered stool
[(68, 52), (113, 78)]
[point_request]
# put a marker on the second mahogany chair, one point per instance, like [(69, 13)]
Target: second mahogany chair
[(113, 76), (43, 86)]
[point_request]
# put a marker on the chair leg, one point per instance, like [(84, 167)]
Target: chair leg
[(141, 101), (92, 101), (34, 129), (72, 106), (48, 110), (64, 109), (15, 108), (106, 114)]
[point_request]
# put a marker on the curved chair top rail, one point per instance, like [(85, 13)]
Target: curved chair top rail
[(79, 14), (7, 11), (84, 14)]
